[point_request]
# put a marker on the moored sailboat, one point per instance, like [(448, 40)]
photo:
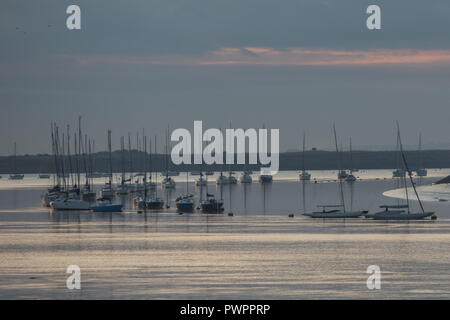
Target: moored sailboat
[(393, 212), (336, 211), (15, 175)]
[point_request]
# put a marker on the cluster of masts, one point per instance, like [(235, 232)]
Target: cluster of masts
[(72, 191), (347, 175), (389, 212)]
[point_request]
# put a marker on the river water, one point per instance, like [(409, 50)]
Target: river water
[(258, 253)]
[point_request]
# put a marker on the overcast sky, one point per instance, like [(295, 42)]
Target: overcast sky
[(294, 65)]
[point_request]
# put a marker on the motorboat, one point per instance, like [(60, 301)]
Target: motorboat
[(44, 176)]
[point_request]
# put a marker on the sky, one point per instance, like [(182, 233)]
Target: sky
[(298, 66)]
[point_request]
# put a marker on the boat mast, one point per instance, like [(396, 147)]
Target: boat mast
[(303, 153), (110, 158), (156, 173), (145, 167), (339, 165), (131, 158), (90, 174), (409, 173), (80, 149), (55, 154), (122, 147), (351, 156), (420, 151), (69, 156)]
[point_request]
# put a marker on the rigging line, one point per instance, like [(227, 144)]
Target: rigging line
[(409, 171)]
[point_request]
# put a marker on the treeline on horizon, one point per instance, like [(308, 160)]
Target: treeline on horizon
[(314, 160)]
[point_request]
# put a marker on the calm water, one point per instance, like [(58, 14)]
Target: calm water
[(258, 253)]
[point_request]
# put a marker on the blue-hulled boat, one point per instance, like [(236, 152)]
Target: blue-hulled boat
[(106, 207)]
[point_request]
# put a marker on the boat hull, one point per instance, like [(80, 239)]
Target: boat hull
[(185, 207), (107, 208), (335, 214), (69, 205), (212, 207), (265, 179), (155, 205), (399, 215)]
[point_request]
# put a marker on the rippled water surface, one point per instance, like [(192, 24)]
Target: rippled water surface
[(258, 253)]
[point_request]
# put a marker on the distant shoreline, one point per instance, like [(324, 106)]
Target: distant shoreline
[(314, 160)]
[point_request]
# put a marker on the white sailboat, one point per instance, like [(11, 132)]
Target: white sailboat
[(350, 177), (398, 172), (185, 203), (336, 211), (421, 171), (304, 175), (15, 175), (155, 202), (167, 182), (394, 212), (123, 188), (107, 192), (64, 203)]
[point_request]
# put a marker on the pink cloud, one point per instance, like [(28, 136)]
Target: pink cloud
[(288, 57)]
